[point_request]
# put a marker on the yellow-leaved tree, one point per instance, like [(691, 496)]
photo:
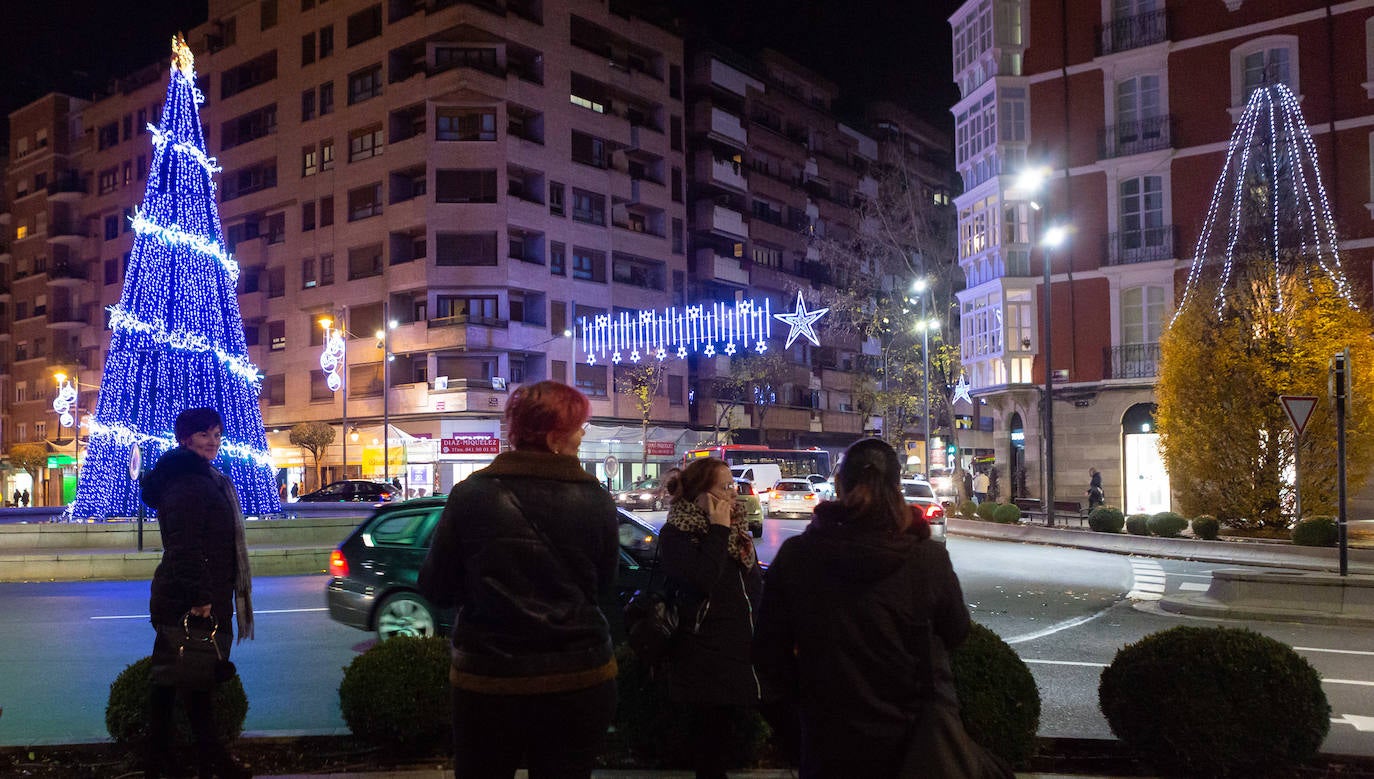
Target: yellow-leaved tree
[(1226, 441)]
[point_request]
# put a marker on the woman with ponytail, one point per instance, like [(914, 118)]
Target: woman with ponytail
[(857, 618), (708, 559)]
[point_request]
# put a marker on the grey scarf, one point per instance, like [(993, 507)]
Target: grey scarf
[(243, 582)]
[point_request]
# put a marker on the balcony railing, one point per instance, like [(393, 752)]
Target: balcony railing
[(1132, 361), (1138, 137), (466, 319), (1145, 245), (69, 183), (1132, 32)]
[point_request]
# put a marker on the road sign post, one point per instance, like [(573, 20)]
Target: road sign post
[(610, 464), (1339, 387), (1299, 410)]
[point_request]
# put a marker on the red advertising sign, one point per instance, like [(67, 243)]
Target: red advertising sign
[(483, 443), (661, 449)]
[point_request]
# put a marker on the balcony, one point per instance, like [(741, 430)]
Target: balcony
[(1132, 361), (68, 188), (68, 317), (726, 127), (1138, 137), (5, 292), (720, 219), (6, 254), (1132, 32), (67, 275), (727, 269), (71, 234), (1128, 247)]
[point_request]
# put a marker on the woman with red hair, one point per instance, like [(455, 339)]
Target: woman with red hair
[(524, 551)]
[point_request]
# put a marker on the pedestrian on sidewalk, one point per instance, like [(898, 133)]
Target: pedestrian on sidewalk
[(1096, 497), (24, 496), (524, 550), (204, 574), (708, 559), (858, 616), (980, 487)]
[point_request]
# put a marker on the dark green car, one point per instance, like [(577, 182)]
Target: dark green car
[(373, 572)]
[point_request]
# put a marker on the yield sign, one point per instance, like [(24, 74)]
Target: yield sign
[(1299, 409)]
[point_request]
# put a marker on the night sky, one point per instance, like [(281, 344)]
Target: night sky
[(896, 49)]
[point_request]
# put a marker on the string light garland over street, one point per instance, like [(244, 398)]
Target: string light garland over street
[(709, 328), (177, 339)]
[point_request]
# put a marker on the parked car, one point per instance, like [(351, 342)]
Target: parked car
[(792, 498), (753, 508), (920, 494), (372, 574), (645, 494), (353, 490)]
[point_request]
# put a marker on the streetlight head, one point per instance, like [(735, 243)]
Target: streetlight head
[(1030, 180), (1055, 236), (381, 334), (60, 377), (393, 324), (567, 333), (326, 322), (918, 286)]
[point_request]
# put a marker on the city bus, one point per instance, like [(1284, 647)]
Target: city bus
[(794, 463)]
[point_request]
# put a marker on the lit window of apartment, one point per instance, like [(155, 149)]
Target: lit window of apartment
[(310, 161), (108, 180), (276, 336), (364, 84), (365, 143), (326, 154), (465, 124), (308, 277)]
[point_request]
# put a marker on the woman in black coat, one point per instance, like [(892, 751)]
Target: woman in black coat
[(525, 551), (708, 559), (203, 574), (858, 615)]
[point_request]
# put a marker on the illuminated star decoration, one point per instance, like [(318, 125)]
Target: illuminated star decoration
[(961, 389), (801, 321), (710, 350), (730, 348)]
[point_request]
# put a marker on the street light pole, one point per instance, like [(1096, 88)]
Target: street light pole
[(384, 343), (919, 287), (334, 362), (1053, 238)]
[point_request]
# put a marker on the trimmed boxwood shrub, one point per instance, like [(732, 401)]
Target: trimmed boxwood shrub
[(1105, 519), (126, 713), (1166, 524), (1215, 702), (1316, 531), (986, 510), (654, 731), (968, 509), (1006, 513), (396, 695), (1206, 527), (1138, 524), (997, 695)]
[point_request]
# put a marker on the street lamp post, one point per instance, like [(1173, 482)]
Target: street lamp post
[(1054, 237), (384, 343)]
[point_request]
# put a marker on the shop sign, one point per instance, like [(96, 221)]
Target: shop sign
[(470, 444), (661, 448)]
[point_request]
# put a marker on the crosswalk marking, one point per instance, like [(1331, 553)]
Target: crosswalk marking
[(1149, 579), (1193, 586)]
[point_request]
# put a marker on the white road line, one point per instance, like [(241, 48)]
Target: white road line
[(1064, 662), (1055, 628), (1148, 581), (1193, 587), (1355, 682), (255, 613), (1332, 651)]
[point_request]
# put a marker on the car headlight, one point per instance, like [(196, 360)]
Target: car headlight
[(646, 496)]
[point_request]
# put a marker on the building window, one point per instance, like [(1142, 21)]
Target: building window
[(558, 259), (274, 389), (276, 335), (364, 84), (254, 178), (588, 149), (364, 262), (326, 154), (446, 57), (479, 309), (465, 186), (307, 217), (364, 25), (327, 211), (589, 207), (111, 227), (108, 181), (248, 75), (248, 127), (307, 49), (1012, 114), (1261, 62), (268, 9), (326, 269), (365, 202), (588, 264), (1141, 213), (326, 41), (319, 387), (465, 249), (307, 105), (365, 143), (591, 379), (106, 136), (308, 277), (674, 390), (465, 124), (1142, 315), (310, 161), (556, 198), (112, 271)]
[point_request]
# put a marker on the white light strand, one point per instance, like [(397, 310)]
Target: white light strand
[(656, 333), (160, 139), (127, 436), (63, 403), (332, 357), (122, 319), (173, 235)]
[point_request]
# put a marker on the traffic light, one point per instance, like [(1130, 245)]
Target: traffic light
[(951, 449)]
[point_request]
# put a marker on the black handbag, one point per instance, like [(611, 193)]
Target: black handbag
[(196, 663), (651, 623)]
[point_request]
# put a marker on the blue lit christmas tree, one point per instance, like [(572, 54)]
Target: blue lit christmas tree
[(177, 336)]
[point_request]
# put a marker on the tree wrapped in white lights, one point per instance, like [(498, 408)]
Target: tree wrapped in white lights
[(177, 337)]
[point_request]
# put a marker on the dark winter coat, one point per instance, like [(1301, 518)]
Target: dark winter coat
[(528, 620), (716, 596), (196, 519), (843, 633)]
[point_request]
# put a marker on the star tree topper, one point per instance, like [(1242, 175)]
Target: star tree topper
[(801, 321)]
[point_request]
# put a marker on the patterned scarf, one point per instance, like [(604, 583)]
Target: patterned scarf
[(243, 584), (688, 517)]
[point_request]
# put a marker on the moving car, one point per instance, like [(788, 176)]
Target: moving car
[(792, 498), (823, 486), (372, 574), (645, 494), (942, 481), (753, 509), (762, 475), (353, 490), (920, 494)]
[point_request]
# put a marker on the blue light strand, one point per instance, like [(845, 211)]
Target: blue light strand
[(177, 337)]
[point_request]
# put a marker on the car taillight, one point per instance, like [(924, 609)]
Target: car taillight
[(934, 511), (338, 564), (811, 496)]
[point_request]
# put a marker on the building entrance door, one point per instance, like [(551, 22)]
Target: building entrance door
[(1145, 478)]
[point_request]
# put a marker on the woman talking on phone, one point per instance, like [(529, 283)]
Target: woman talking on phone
[(708, 559)]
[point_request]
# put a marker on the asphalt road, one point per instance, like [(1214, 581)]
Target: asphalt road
[(1065, 611)]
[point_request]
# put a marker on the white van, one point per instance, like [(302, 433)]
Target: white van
[(762, 475)]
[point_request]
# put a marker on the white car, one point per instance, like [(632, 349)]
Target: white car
[(792, 498), (918, 493), (822, 485)]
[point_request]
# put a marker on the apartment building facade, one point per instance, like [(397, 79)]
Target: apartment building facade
[(1110, 98), (455, 184)]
